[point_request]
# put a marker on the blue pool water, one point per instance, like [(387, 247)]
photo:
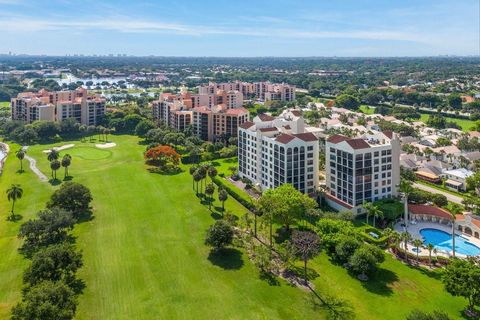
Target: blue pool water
[(443, 241)]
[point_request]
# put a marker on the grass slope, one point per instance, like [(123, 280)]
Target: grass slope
[(145, 259), (464, 123)]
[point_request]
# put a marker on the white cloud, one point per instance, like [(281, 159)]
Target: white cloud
[(124, 24)]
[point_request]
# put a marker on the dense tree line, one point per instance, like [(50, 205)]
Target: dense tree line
[(50, 283)]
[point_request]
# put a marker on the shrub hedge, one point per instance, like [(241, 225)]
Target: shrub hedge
[(246, 202)]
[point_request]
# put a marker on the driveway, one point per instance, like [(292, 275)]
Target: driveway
[(450, 197)]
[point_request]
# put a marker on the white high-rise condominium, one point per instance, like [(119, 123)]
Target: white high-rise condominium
[(273, 151), (361, 169)]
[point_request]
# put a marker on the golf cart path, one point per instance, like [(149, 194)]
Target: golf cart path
[(33, 167)]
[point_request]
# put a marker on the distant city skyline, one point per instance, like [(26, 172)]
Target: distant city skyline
[(283, 28)]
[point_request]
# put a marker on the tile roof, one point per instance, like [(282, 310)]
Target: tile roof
[(284, 138), (268, 129), (429, 210), (246, 125), (358, 144), (388, 133), (265, 117), (336, 138), (308, 136), (340, 202)]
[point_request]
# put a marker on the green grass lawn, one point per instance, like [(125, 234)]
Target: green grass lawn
[(464, 123), (144, 256), (367, 109), (4, 104)]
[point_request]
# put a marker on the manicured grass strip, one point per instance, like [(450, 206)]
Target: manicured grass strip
[(367, 109), (464, 123)]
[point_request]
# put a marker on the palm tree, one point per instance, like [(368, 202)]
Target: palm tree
[(406, 188), (66, 161), (405, 236), (209, 190), (376, 213), (21, 155), (212, 172), (53, 155), (368, 206), (388, 233), (454, 210), (417, 243), (222, 196), (192, 171), (55, 165), (197, 176), (14, 193), (430, 248)]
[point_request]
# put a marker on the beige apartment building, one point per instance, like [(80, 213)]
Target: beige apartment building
[(218, 122), (265, 91), (58, 106), (363, 169), (214, 116)]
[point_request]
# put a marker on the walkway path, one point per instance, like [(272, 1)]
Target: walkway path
[(450, 197), (33, 167), (4, 150)]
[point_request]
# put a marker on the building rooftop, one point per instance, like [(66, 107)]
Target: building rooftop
[(461, 173)]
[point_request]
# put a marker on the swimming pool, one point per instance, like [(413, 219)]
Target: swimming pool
[(443, 241)]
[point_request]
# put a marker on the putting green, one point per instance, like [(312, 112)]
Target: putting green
[(89, 153)]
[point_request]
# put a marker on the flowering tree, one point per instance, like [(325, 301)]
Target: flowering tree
[(165, 157)]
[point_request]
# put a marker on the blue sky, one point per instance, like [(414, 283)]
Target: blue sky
[(241, 27)]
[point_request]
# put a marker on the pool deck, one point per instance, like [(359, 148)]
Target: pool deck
[(414, 230)]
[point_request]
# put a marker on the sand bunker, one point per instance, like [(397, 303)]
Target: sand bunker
[(67, 146), (105, 145)]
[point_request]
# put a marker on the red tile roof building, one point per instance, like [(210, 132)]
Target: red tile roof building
[(58, 106), (214, 115), (273, 151), (365, 168)]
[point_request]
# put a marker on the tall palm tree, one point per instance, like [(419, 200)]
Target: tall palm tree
[(66, 162), (14, 193), (406, 188), (53, 155), (222, 196), (368, 206), (430, 248), (376, 213), (454, 210), (192, 171), (55, 165), (209, 190), (405, 236), (21, 155), (212, 172), (197, 176), (388, 234), (417, 243)]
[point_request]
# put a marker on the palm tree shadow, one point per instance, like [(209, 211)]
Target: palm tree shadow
[(337, 308), (269, 278), (68, 178), (55, 182), (226, 258), (215, 215), (15, 217)]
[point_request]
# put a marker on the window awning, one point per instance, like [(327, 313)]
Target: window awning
[(453, 183)]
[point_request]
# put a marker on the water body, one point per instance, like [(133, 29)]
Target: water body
[(443, 241)]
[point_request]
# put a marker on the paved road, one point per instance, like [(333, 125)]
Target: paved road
[(450, 197)]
